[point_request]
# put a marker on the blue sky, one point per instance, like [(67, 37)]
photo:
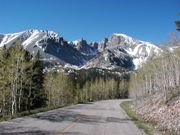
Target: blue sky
[(149, 20)]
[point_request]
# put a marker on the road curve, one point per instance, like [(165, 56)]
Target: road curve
[(97, 118)]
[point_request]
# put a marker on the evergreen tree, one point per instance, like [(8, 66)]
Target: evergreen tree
[(34, 93)]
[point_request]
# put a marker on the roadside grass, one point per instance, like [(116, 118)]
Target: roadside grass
[(148, 128)]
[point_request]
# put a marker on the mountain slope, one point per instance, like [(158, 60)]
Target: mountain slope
[(139, 50), (111, 58)]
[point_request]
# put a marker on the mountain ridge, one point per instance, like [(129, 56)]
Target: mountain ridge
[(115, 51)]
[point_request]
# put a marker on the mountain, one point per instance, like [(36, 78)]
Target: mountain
[(116, 51), (110, 59), (84, 48), (139, 50), (51, 46)]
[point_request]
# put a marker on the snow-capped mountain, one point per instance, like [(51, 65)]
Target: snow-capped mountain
[(139, 50), (116, 51), (51, 46), (110, 59)]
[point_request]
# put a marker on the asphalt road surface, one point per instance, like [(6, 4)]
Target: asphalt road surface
[(96, 118)]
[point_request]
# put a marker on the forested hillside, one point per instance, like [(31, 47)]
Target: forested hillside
[(155, 88)]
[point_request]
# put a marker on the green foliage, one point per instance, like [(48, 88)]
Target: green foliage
[(34, 93), (83, 87), (59, 89), (21, 81)]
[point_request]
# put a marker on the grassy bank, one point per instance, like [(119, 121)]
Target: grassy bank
[(148, 128)]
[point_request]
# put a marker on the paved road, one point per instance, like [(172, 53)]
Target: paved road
[(97, 118)]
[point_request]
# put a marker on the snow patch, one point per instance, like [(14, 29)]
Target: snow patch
[(8, 38)]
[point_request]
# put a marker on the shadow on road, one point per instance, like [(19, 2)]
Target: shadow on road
[(16, 130), (69, 115)]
